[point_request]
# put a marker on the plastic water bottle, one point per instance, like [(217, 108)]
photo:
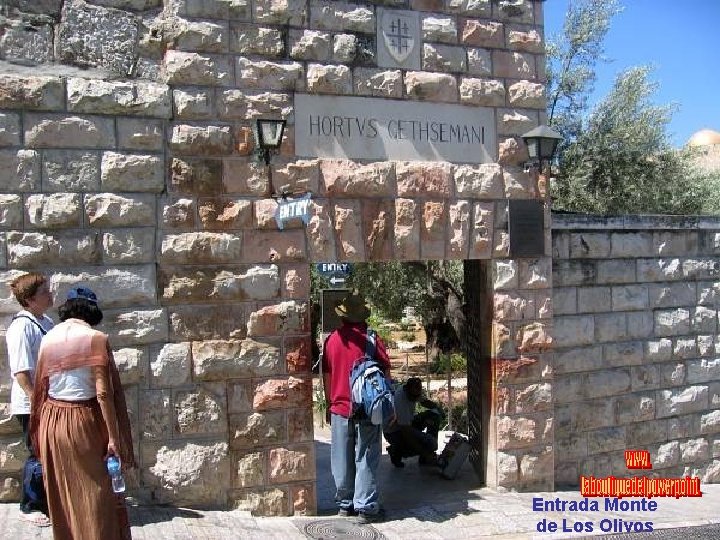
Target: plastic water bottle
[(115, 472)]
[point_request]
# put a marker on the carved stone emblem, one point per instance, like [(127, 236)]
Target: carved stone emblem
[(396, 32), (398, 38)]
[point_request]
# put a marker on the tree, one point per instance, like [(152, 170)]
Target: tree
[(434, 288), (616, 158)]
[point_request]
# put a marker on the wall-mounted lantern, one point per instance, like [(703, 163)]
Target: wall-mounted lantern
[(541, 145), (268, 138)]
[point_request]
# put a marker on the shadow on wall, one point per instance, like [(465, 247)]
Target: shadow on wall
[(414, 491)]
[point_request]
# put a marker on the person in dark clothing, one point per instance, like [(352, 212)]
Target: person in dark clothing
[(413, 434)]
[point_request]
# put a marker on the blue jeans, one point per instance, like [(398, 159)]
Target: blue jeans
[(354, 458)]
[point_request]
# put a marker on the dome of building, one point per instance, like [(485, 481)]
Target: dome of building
[(704, 137)]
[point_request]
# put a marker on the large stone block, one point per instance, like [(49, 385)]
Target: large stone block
[(459, 230), (431, 86), (197, 322), (28, 92), (348, 230), (672, 323), (258, 429), (479, 61), (377, 224), (342, 178), (201, 411), (482, 92), (136, 327), (214, 9), (320, 234), (67, 170), (110, 210), (12, 454), (283, 393), (291, 12), (527, 94), (27, 44), (310, 45), (200, 247), (329, 79), (250, 470), (513, 65), (188, 68), (192, 473), (424, 178), (171, 365), (140, 134), (286, 317), (288, 76), (482, 181), (407, 230), (682, 401), (221, 360), (63, 131), (247, 39), (11, 211), (53, 211), (243, 105), (26, 250), (482, 33), (180, 285), (291, 464), (95, 96), (571, 331), (520, 431), (225, 213), (378, 82), (263, 502), (342, 16), (201, 140), (481, 235), (433, 225), (97, 37), (530, 41), (237, 176), (447, 58), (129, 246), (9, 129), (132, 365), (273, 247)]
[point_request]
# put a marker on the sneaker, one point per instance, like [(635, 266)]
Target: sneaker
[(364, 519), (347, 512), (395, 458)]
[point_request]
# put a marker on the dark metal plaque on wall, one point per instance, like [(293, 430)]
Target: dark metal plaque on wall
[(526, 220)]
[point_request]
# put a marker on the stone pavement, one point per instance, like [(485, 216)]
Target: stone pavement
[(420, 506)]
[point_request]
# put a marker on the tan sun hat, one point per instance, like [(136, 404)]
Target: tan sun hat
[(353, 307)]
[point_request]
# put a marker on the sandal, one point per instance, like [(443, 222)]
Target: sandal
[(36, 518)]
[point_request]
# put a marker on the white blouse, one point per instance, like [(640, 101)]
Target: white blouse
[(72, 385)]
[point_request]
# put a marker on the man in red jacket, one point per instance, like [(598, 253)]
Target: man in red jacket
[(355, 444)]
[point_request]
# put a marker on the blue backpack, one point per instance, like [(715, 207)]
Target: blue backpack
[(370, 391)]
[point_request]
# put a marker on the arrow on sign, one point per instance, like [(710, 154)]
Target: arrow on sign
[(335, 280)]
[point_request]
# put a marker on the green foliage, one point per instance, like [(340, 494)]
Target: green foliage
[(391, 286), (622, 161), (407, 336), (615, 158), (379, 324), (455, 362)]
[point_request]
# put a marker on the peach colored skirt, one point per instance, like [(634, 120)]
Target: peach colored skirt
[(73, 440)]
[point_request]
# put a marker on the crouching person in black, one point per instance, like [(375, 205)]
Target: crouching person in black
[(413, 434)]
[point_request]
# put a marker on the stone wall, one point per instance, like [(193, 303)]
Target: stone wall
[(126, 162), (636, 340)]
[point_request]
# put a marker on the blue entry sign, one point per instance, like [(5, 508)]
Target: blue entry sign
[(334, 269), (288, 209)]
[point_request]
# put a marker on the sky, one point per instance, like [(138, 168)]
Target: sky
[(679, 38)]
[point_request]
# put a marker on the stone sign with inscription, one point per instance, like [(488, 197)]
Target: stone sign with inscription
[(371, 128), (398, 39)]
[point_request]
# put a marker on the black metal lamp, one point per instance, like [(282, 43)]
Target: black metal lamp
[(541, 143), (268, 136)]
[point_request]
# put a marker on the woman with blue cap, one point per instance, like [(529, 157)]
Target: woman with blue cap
[(78, 419)]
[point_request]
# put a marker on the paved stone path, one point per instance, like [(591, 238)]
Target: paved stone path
[(480, 513)]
